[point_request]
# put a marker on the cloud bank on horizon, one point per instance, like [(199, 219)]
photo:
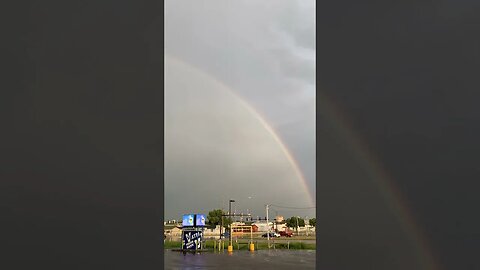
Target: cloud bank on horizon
[(265, 52)]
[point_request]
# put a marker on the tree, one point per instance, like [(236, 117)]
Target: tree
[(312, 222), (214, 218), (292, 222)]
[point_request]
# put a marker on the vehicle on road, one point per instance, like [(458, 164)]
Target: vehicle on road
[(286, 233), (272, 234)]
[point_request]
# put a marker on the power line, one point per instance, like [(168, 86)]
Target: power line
[(292, 207)]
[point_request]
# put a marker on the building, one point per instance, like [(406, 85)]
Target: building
[(172, 230), (281, 227), (170, 222), (243, 229), (306, 230), (212, 232), (262, 226)]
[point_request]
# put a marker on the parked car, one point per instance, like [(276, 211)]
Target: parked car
[(272, 234), (286, 233)]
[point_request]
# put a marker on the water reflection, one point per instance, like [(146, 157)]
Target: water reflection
[(266, 259)]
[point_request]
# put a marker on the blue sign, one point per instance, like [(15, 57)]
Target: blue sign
[(192, 240), (188, 220), (199, 220)]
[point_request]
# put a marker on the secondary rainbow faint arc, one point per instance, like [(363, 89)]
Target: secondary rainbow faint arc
[(260, 118), (384, 181)]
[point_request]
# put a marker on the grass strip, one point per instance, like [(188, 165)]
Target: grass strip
[(209, 244)]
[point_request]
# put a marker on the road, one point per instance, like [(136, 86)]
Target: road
[(241, 260), (281, 240)]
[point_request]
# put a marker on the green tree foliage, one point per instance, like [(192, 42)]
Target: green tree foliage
[(292, 222), (214, 218), (227, 221), (312, 222)]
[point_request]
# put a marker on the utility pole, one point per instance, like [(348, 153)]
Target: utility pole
[(306, 226), (297, 225), (276, 221), (268, 227), (306, 219), (221, 227), (230, 246)]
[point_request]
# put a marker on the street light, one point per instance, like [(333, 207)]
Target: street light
[(229, 215), (230, 207)]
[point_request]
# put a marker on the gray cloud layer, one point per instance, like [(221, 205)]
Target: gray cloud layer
[(264, 50)]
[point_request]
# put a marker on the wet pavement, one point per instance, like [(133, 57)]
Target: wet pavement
[(261, 259)]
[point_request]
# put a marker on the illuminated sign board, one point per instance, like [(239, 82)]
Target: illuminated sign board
[(194, 220), (192, 240), (188, 220), (199, 220)]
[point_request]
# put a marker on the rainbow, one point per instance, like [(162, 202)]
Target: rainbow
[(364, 156), (376, 171), (261, 120), (389, 190), (282, 145)]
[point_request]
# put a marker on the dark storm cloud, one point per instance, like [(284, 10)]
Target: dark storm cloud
[(81, 137), (406, 76)]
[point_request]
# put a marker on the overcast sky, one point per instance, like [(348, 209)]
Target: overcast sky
[(265, 52), (81, 146)]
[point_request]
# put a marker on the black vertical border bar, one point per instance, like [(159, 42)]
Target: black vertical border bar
[(49, 217), (318, 234), (162, 151)]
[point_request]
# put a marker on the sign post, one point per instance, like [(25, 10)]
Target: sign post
[(192, 231)]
